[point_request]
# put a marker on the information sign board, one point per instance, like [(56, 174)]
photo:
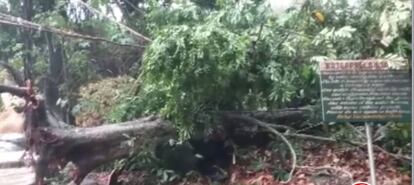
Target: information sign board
[(364, 91)]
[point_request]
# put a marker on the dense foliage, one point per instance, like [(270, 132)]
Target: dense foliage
[(96, 100), (241, 56), (207, 56)]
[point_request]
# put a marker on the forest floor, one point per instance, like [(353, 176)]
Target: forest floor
[(324, 164)]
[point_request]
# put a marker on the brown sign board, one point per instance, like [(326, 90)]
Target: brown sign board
[(364, 91)]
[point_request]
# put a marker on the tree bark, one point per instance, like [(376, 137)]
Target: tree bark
[(88, 148), (16, 91), (288, 117), (27, 11), (54, 77)]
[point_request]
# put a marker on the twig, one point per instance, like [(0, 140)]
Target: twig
[(311, 137), (292, 151), (396, 156), (276, 126), (247, 118), (274, 131), (281, 42), (311, 126), (139, 35), (351, 177), (19, 22), (379, 134), (260, 31), (356, 130), (359, 144)]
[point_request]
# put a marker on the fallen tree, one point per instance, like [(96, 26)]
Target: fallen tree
[(87, 148), (57, 143)]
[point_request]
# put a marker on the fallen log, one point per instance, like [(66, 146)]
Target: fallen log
[(88, 148), (287, 117), (57, 143)]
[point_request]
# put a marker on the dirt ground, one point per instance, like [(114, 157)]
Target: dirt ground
[(326, 164)]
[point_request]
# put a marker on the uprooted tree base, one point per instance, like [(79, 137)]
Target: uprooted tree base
[(56, 143), (88, 148)]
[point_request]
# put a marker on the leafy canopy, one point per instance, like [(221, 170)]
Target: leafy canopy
[(239, 55)]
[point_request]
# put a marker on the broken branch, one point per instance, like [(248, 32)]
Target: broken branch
[(17, 91), (139, 35), (19, 22)]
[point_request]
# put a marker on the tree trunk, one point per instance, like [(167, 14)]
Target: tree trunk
[(290, 117), (27, 11), (88, 148), (54, 76)]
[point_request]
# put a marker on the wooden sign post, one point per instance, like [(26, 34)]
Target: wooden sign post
[(371, 159), (365, 91)]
